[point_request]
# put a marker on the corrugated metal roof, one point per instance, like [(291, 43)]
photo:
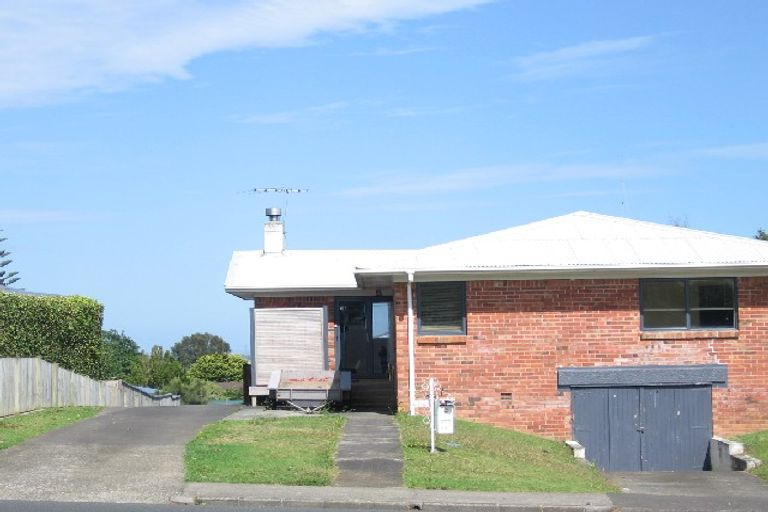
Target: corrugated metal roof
[(584, 239), (22, 291), (578, 241)]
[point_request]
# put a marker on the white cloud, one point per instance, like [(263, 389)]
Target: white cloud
[(757, 151), (424, 111), (578, 58), (415, 206), (619, 192), (390, 52), (480, 178), (297, 115), (52, 48)]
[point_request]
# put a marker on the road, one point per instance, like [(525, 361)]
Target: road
[(129, 455), (704, 491), (50, 506), (126, 460)]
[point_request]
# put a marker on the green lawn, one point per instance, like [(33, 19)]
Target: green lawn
[(756, 445), (288, 451), (19, 428), (484, 458)]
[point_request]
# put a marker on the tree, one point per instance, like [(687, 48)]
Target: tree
[(218, 367), (156, 369), (120, 354), (762, 234), (6, 278), (196, 345)]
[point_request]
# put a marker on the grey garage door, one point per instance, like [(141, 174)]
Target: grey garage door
[(644, 428)]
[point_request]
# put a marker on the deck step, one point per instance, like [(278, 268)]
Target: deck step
[(373, 394)]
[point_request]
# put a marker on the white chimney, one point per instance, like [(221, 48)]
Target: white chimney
[(274, 232)]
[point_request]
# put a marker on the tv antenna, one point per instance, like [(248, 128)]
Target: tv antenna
[(286, 191), (279, 190)]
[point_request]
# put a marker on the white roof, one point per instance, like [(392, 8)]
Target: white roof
[(590, 240), (252, 272), (579, 244)]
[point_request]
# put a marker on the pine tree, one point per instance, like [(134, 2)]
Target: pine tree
[(6, 278)]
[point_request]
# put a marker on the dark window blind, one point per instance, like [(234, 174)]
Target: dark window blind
[(441, 308)]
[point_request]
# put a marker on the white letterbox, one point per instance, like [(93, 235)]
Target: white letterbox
[(444, 415)]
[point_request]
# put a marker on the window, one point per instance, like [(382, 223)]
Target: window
[(688, 303), (441, 308)]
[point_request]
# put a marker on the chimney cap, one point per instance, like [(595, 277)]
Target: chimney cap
[(274, 213)]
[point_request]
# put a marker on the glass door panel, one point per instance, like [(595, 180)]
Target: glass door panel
[(381, 332), (355, 344)]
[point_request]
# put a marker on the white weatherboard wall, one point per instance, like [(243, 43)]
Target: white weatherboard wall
[(27, 384), (288, 339)]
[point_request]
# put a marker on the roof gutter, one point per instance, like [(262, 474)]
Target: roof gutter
[(574, 272), (250, 292)]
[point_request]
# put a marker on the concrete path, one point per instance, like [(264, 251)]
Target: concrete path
[(704, 491), (370, 454), (130, 455)]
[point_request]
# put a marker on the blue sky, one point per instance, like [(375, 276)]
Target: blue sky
[(131, 132)]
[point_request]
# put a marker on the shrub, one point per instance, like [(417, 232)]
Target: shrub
[(63, 330), (232, 390), (218, 367), (193, 391), (234, 393)]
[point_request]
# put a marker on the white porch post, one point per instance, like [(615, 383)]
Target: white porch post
[(252, 313), (411, 349)]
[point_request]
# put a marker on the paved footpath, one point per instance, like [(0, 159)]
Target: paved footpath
[(370, 453), (130, 455), (386, 499)]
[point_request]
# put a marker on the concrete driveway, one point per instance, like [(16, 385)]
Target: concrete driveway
[(703, 491), (130, 455)]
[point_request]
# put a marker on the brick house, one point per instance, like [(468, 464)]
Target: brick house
[(639, 340)]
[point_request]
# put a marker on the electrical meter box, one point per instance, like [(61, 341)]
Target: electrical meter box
[(444, 415)]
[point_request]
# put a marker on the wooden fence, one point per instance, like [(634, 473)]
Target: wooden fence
[(31, 383)]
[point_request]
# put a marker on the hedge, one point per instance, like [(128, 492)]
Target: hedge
[(218, 367), (63, 330)]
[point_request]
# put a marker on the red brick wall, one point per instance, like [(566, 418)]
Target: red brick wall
[(504, 371), (308, 302)]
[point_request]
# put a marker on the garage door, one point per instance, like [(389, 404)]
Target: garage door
[(663, 428)]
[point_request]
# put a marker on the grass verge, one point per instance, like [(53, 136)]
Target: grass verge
[(756, 445), (19, 428), (485, 458), (287, 451)]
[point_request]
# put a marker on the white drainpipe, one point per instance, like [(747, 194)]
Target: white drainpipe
[(411, 349)]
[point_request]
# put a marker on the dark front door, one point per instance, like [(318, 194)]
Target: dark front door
[(644, 428), (365, 337)]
